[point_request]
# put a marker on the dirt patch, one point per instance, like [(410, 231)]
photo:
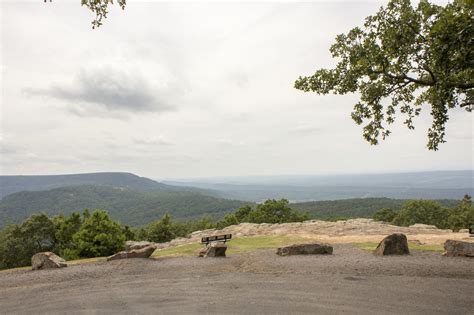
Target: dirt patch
[(351, 280)]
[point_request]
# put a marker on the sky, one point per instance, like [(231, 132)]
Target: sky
[(192, 89)]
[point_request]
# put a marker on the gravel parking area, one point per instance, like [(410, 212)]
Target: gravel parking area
[(349, 281)]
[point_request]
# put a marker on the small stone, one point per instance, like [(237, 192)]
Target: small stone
[(47, 260), (305, 249), (395, 244), (458, 248), (216, 249)]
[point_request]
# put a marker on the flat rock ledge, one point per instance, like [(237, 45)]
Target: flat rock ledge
[(47, 260), (394, 244), (129, 245), (144, 252), (213, 250), (305, 249), (458, 248)]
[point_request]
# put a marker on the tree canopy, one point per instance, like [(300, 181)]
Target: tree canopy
[(100, 8), (404, 57)]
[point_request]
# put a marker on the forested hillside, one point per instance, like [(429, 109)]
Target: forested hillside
[(125, 205), (355, 208)]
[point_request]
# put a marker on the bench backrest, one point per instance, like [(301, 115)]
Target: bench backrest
[(216, 238)]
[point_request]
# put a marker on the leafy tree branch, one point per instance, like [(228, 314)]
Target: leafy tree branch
[(404, 57)]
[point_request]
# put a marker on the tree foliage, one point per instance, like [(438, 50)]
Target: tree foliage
[(98, 236), (422, 211), (462, 216), (401, 58), (271, 211), (19, 242), (100, 8), (431, 212), (384, 215)]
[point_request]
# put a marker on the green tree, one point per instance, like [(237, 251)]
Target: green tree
[(98, 236), (404, 57), (161, 231), (422, 211), (19, 242), (275, 211), (384, 215), (129, 233), (203, 223), (462, 216), (13, 252), (242, 214), (229, 219), (65, 228)]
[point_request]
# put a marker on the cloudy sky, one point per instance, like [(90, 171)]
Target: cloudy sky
[(192, 89)]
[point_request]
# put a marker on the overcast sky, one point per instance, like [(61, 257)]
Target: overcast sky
[(192, 90)]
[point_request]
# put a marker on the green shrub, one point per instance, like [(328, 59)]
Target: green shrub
[(422, 211), (98, 236), (384, 215)]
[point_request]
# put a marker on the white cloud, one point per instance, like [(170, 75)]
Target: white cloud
[(206, 89)]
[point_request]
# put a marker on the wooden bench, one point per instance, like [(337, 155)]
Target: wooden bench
[(216, 238)]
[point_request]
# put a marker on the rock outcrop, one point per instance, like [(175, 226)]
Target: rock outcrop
[(216, 249), (423, 226), (458, 248), (129, 245), (134, 253), (47, 260), (394, 244), (305, 249)]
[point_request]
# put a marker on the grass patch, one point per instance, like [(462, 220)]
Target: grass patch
[(432, 248), (85, 260), (235, 246)]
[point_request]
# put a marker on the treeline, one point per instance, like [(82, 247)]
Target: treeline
[(356, 207), (431, 212), (96, 234)]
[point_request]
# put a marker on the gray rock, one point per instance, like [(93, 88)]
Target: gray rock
[(47, 260), (395, 244), (458, 248), (216, 249), (305, 249), (129, 245), (134, 253)]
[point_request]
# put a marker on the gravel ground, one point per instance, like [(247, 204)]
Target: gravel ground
[(349, 281)]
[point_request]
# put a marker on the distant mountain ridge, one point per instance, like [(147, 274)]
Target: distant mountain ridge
[(413, 185), (124, 204)]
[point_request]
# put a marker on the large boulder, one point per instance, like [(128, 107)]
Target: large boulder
[(216, 249), (305, 249), (129, 245), (47, 260), (395, 244), (134, 253), (458, 248)]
